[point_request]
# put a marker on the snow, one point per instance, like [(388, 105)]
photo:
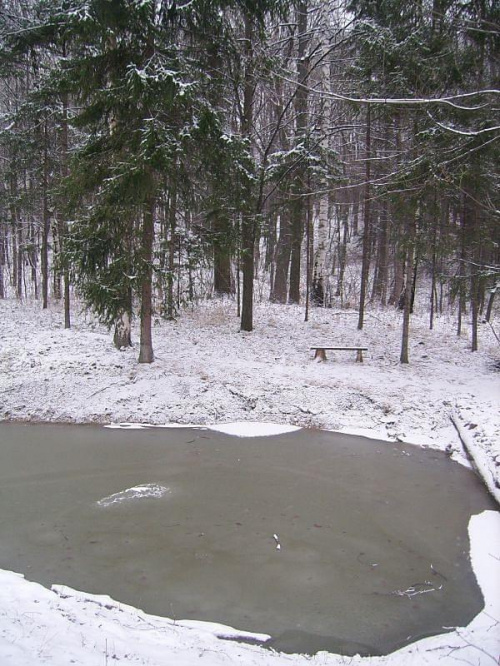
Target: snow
[(239, 429), (208, 374), (481, 455), (253, 429), (146, 491)]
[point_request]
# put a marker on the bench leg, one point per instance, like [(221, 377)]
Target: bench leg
[(320, 355), (359, 356)]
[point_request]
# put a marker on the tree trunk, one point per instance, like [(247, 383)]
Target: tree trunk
[(414, 280), (355, 215), (248, 220), (283, 253), (247, 265), (222, 255), (399, 269), (365, 266), (20, 260), (296, 250), (319, 272), (489, 307), (123, 333), (238, 271), (472, 254), (309, 255), (45, 222), (2, 261), (271, 237), (342, 253), (33, 258), (299, 185), (433, 297), (379, 291), (17, 242), (461, 269), (146, 345), (56, 252), (189, 260), (405, 338), (474, 306), (63, 226), (172, 226)]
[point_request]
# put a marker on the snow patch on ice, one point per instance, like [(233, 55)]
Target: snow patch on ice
[(127, 426), (252, 429), (238, 429), (147, 491), (142, 426), (222, 630)]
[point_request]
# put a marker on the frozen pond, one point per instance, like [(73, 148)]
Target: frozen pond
[(323, 541)]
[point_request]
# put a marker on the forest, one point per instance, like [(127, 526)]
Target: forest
[(334, 153)]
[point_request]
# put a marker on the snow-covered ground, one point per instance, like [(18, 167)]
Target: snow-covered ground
[(208, 373)]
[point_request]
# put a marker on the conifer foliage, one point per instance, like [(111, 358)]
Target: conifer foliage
[(158, 151)]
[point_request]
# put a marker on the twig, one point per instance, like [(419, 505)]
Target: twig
[(494, 332), (104, 389)]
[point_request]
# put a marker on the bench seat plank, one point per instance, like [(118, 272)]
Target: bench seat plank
[(320, 352), (340, 348)]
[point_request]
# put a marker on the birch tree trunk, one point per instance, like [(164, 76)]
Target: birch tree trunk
[(63, 226), (319, 262), (2, 260), (123, 331), (299, 184)]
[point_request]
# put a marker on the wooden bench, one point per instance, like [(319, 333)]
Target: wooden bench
[(320, 352)]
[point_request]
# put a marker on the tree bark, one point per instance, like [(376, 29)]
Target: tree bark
[(433, 297), (248, 220), (489, 308), (172, 225), (407, 301), (283, 253), (342, 253), (123, 333), (365, 266), (17, 241), (296, 249), (319, 263), (247, 265), (379, 291), (45, 222), (299, 185), (146, 344), (222, 255), (2, 260), (63, 226)]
